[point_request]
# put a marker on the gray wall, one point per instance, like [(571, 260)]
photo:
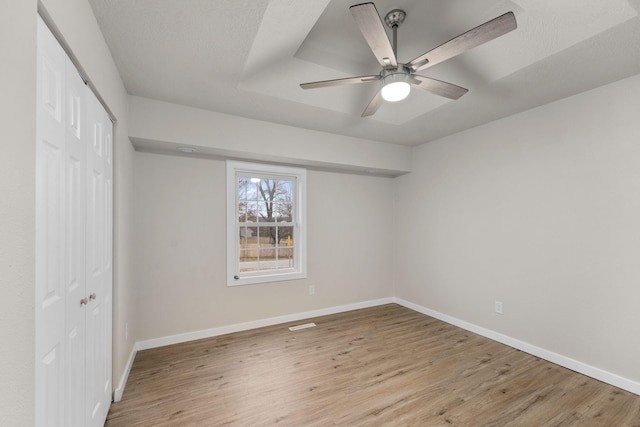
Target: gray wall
[(17, 211), (540, 211), (180, 241)]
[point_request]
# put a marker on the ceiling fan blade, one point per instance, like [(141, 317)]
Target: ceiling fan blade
[(472, 38), (373, 106), (438, 87), (339, 82), (371, 26)]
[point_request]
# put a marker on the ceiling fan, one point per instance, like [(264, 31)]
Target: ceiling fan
[(397, 78)]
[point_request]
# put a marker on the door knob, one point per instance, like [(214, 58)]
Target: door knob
[(83, 301), (92, 296)]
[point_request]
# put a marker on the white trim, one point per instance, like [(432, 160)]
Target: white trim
[(222, 330), (117, 393), (299, 270), (558, 359), (580, 367), (254, 324)]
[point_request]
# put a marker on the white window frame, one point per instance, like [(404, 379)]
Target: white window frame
[(299, 270)]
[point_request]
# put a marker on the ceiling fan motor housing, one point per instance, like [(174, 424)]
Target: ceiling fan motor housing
[(401, 69), (395, 17)]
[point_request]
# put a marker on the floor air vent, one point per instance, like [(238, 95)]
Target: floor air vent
[(305, 326)]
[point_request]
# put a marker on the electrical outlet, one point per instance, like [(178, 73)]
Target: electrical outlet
[(312, 289), (126, 331), (497, 307)]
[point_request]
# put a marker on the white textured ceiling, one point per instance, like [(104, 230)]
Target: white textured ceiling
[(247, 57)]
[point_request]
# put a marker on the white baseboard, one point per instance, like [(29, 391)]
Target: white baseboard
[(574, 365), (229, 329), (117, 393), (222, 330), (583, 368)]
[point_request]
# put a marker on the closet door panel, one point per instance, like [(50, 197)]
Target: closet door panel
[(76, 129), (99, 273), (50, 231), (106, 335)]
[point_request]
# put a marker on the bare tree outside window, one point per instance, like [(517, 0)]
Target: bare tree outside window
[(266, 223), (265, 214)]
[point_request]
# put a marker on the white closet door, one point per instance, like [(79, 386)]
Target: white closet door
[(50, 231), (99, 268), (76, 139), (106, 365), (74, 193)]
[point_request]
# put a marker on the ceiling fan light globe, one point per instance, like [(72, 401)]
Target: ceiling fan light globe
[(396, 91), (395, 87)]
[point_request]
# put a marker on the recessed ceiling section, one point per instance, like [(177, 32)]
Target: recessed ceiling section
[(247, 58), (349, 100), (336, 42), (332, 47)]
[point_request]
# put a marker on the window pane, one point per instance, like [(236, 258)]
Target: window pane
[(265, 212), (266, 219), (248, 264), (268, 260), (252, 208), (267, 237), (285, 236), (245, 233), (283, 212), (243, 184), (244, 255), (248, 249), (242, 211), (266, 248), (267, 253), (285, 247), (252, 190), (285, 189)]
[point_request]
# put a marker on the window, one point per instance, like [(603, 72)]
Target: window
[(266, 238)]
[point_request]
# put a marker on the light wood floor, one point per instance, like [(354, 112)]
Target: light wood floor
[(381, 366)]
